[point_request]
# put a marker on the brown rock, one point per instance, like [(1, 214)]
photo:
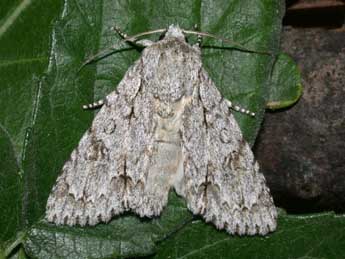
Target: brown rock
[(302, 149)]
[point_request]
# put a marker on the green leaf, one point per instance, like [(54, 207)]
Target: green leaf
[(84, 29), (286, 86), (127, 236), (25, 28), (314, 236), (42, 112)]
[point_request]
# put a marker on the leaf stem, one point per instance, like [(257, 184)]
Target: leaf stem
[(14, 244)]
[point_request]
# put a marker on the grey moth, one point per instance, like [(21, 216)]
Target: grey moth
[(165, 126)]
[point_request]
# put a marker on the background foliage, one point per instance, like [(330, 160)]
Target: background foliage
[(42, 45)]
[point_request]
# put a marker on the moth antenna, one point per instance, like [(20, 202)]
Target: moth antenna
[(235, 44), (136, 36), (105, 51), (98, 55), (239, 108), (130, 39), (93, 105)]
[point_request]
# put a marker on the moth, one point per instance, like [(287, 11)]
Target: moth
[(165, 126)]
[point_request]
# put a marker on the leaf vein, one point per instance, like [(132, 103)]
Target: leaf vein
[(195, 251), (13, 17), (22, 61)]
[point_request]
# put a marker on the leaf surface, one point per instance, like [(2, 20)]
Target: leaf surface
[(286, 86), (311, 236), (127, 236), (25, 29), (84, 29), (42, 94)]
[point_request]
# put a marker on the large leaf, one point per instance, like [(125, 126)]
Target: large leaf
[(42, 116), (84, 29), (313, 236)]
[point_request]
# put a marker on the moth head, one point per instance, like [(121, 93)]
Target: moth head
[(174, 31)]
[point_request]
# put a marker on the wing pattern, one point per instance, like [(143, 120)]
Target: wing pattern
[(165, 126)]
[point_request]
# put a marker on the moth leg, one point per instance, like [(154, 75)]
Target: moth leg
[(140, 43), (199, 39), (94, 105), (239, 108)]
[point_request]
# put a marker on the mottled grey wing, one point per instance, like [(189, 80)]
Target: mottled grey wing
[(222, 181), (107, 172)]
